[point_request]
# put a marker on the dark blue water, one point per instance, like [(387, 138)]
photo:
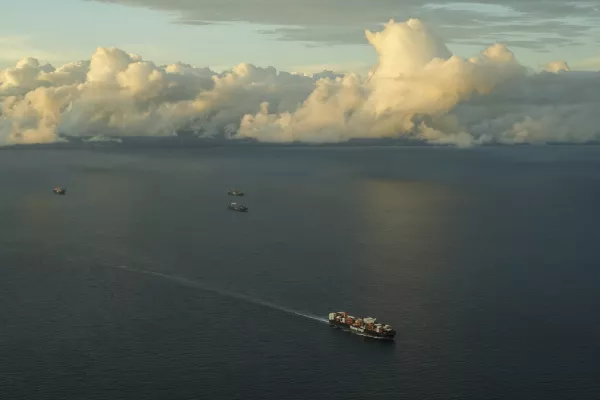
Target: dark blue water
[(486, 262)]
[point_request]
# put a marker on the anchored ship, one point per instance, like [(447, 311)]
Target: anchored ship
[(235, 192), (59, 190), (367, 326), (237, 207)]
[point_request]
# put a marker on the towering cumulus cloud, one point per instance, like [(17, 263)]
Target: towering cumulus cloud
[(418, 89)]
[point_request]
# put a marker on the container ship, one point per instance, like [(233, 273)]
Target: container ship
[(367, 326)]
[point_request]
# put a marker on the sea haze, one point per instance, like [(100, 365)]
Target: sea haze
[(141, 284)]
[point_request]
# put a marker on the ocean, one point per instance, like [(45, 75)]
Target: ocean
[(141, 284)]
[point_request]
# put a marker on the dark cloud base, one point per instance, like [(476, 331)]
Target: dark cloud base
[(337, 22)]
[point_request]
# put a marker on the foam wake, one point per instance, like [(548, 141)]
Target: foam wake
[(198, 285)]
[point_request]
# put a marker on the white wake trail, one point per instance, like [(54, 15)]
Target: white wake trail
[(198, 285)]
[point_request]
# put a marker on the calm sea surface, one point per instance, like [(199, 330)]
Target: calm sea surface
[(486, 261)]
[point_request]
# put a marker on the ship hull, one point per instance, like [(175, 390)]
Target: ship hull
[(361, 331)]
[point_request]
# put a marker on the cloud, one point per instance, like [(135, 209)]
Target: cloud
[(334, 21), (417, 78), (417, 90), (116, 93), (557, 66)]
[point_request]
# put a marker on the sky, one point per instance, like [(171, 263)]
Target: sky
[(314, 71), (294, 35)]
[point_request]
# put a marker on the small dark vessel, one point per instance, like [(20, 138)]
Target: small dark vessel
[(235, 192), (59, 190), (362, 326), (237, 207)]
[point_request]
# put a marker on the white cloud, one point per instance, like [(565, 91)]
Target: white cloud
[(418, 89), (557, 66)]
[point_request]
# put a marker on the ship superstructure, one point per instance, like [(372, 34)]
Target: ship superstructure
[(367, 326)]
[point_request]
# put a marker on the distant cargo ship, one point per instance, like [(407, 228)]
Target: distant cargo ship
[(59, 190), (237, 207), (362, 326), (235, 192)]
